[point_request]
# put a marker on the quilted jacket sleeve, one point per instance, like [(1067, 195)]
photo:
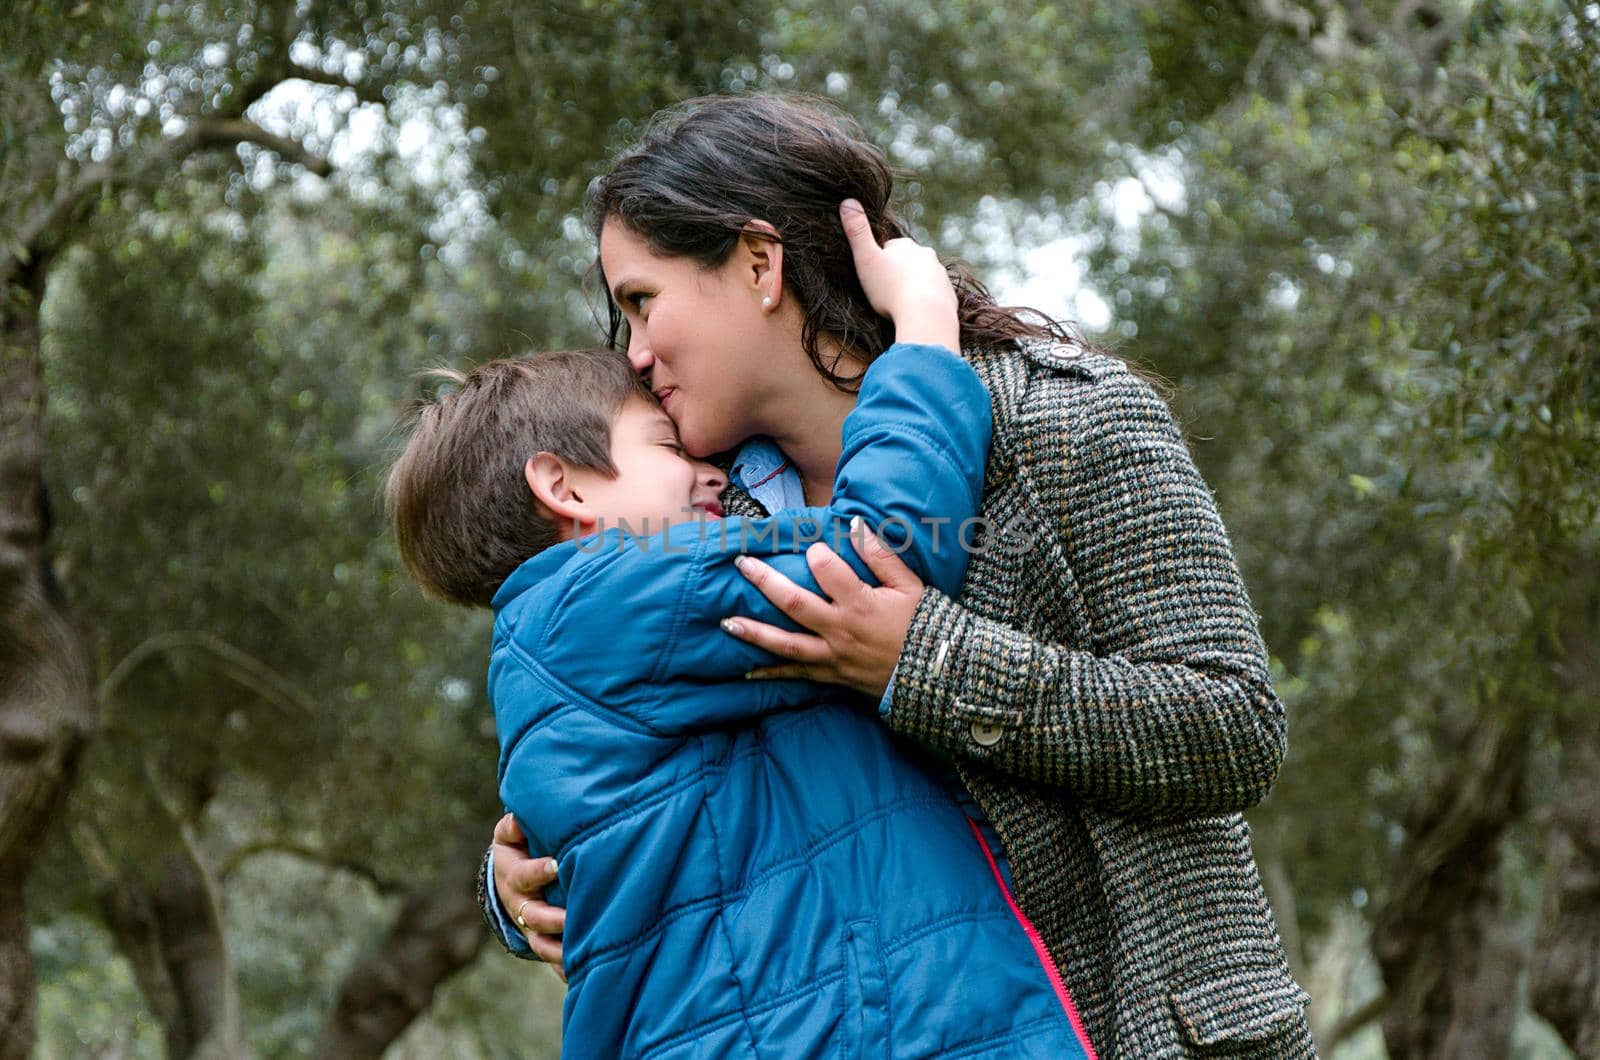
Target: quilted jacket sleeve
[(495, 917), (1169, 707), (912, 468)]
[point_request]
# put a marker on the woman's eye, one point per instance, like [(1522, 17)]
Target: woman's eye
[(636, 302)]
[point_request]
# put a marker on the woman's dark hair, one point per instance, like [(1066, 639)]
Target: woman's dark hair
[(707, 167)]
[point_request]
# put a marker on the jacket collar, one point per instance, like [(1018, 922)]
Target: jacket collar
[(532, 572), (1005, 369), (1005, 375)]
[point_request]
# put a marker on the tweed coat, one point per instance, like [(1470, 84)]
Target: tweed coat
[(1103, 690)]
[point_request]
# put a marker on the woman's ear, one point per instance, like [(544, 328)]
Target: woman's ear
[(555, 492), (761, 263)]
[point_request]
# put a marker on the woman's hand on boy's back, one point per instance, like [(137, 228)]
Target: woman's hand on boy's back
[(904, 281), (519, 881), (857, 630)]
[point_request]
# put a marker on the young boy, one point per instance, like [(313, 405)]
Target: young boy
[(749, 868)]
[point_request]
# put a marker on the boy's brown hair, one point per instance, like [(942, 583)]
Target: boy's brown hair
[(463, 514)]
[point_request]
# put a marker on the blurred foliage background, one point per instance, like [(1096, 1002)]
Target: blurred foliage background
[(246, 773)]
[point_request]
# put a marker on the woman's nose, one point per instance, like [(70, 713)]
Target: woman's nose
[(639, 354)]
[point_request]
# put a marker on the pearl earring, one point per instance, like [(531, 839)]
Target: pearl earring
[(766, 303)]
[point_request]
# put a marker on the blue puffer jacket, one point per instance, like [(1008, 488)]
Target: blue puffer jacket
[(754, 868)]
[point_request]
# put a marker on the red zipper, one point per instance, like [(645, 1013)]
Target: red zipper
[(1038, 947)]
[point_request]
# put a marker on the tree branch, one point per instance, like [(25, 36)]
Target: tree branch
[(436, 932), (309, 853), (128, 911), (39, 235), (1417, 26), (239, 665), (1431, 46), (280, 29), (1352, 1022), (1402, 14), (1364, 26), (274, 28), (171, 929), (1308, 27), (365, 91), (231, 132)]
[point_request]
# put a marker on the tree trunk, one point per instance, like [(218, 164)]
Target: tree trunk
[(47, 706), (1450, 959), (436, 933), (1565, 981), (172, 936)]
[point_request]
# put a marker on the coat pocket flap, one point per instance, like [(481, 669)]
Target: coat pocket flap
[(1243, 1000)]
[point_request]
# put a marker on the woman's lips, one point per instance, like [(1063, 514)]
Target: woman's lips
[(711, 508), (664, 393)]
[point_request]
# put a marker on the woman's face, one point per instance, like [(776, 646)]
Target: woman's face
[(701, 337)]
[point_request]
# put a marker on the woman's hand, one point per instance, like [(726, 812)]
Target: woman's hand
[(904, 281), (860, 628), (519, 881)]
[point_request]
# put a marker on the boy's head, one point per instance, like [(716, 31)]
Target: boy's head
[(527, 452)]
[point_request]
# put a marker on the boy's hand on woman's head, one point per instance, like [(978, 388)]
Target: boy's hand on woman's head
[(519, 881), (904, 281)]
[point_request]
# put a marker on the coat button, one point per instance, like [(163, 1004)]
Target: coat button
[(986, 734)]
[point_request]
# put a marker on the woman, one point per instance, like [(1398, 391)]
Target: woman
[(1100, 688)]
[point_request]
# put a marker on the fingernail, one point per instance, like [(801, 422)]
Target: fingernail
[(851, 204), (740, 562), (733, 626), (551, 868)]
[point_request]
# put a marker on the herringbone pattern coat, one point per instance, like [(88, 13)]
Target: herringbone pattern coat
[(1103, 688)]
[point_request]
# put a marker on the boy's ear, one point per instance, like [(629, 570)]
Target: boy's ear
[(761, 260), (554, 489)]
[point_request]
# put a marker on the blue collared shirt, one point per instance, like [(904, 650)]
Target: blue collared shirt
[(761, 470)]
